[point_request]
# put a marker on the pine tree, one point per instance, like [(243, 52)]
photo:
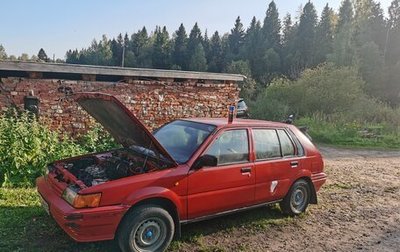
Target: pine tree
[(42, 55), (139, 41), (306, 35), (215, 54), (206, 45), (198, 61), (271, 29), (346, 15), (180, 47), (324, 35), (236, 38), (370, 24), (140, 45), (195, 38), (271, 50), (161, 49), (117, 50), (290, 56), (392, 49), (344, 42), (253, 45)]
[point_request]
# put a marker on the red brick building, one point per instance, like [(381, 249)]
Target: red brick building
[(154, 96)]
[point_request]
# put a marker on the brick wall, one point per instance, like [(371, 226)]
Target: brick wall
[(154, 102)]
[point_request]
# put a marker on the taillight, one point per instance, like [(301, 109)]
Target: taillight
[(81, 200)]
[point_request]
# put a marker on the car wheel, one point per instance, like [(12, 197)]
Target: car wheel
[(145, 229), (297, 199)]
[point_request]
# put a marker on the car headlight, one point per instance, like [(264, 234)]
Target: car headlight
[(81, 200)]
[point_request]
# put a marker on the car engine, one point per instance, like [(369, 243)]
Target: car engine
[(98, 169)]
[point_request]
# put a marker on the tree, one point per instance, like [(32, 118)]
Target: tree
[(236, 38), (343, 51), (117, 50), (72, 57), (346, 15), (141, 46), (198, 61), (324, 35), (271, 29), (370, 24), (161, 49), (271, 48), (306, 35), (3, 54), (253, 46), (392, 47), (215, 60), (180, 47), (290, 56), (195, 39), (42, 55)]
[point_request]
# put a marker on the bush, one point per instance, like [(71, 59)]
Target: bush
[(27, 146), (336, 92)]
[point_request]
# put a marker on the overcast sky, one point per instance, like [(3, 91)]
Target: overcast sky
[(58, 25)]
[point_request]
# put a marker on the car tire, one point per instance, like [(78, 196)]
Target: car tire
[(297, 199), (146, 228)]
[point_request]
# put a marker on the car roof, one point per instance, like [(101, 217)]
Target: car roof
[(222, 122)]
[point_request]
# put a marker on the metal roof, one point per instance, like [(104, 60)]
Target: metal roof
[(55, 68)]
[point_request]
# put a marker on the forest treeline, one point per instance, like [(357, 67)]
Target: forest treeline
[(357, 35)]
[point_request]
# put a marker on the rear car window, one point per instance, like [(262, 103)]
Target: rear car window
[(231, 147), (266, 144), (300, 149), (286, 144)]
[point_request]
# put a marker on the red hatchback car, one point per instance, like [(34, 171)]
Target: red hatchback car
[(187, 170)]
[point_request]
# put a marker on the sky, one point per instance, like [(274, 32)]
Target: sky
[(59, 25)]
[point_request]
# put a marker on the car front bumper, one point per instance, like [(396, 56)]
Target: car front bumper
[(82, 225)]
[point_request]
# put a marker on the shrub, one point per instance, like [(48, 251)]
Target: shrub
[(336, 92), (27, 146)]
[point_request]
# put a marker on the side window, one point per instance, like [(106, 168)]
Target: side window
[(300, 149), (266, 144), (286, 144), (231, 147)]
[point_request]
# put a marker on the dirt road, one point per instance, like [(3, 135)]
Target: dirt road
[(359, 209)]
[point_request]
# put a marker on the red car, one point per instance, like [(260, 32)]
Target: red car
[(186, 171)]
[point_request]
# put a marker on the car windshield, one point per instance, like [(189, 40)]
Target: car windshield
[(182, 138)]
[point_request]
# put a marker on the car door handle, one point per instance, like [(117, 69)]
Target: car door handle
[(294, 164), (246, 170)]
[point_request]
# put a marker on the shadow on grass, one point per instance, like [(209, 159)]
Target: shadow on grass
[(31, 229), (253, 221)]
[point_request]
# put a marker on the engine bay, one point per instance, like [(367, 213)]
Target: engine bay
[(100, 168)]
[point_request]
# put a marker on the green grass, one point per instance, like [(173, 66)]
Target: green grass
[(353, 134), (25, 226)]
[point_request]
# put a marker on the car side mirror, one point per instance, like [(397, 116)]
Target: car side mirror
[(204, 161)]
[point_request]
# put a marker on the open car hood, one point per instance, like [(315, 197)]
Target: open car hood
[(121, 123)]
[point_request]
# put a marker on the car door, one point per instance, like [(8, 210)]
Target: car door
[(230, 184), (276, 163)]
